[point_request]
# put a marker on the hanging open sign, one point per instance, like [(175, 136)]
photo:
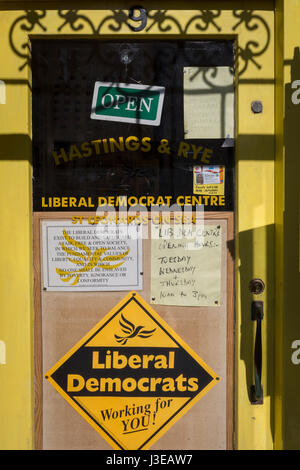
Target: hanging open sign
[(132, 103)]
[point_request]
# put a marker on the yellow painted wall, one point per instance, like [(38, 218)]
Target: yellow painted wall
[(16, 318), (287, 218), (255, 231)]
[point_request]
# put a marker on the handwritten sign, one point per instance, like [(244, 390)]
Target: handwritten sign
[(186, 271)]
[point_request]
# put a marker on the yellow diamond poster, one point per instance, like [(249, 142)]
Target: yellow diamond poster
[(131, 377)]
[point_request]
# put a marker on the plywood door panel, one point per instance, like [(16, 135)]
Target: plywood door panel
[(63, 318)]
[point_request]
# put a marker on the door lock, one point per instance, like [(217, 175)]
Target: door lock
[(256, 286)]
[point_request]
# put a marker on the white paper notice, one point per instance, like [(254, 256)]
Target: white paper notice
[(186, 271), (89, 257), (208, 103)]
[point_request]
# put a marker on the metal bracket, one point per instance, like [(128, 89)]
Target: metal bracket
[(257, 310)]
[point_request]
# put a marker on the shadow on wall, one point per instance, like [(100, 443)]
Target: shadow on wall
[(259, 238), (15, 147), (291, 317), (142, 20)]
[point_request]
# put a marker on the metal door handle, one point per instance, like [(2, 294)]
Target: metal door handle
[(257, 314)]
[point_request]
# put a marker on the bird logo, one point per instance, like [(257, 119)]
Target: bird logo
[(85, 259), (131, 331)]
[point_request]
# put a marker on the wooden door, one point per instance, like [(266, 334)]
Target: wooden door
[(185, 158)]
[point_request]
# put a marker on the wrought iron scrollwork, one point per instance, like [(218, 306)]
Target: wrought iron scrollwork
[(139, 19), (164, 22), (27, 22), (207, 18), (253, 48), (76, 21)]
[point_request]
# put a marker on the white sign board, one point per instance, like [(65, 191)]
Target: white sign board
[(208, 102), (89, 257)]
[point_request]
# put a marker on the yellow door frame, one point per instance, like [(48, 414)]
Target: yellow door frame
[(254, 32), (287, 200)]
